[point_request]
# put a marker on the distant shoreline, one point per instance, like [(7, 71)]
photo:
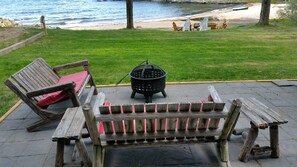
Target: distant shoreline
[(251, 15)]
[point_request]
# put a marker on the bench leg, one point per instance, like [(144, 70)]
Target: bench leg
[(249, 143), (98, 156), (223, 150), (60, 154), (81, 147), (274, 141)]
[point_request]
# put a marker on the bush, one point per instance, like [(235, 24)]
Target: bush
[(290, 11)]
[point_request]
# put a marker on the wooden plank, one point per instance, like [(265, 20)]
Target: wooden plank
[(158, 115), (64, 124), (140, 123), (99, 101), (32, 79), (258, 111), (269, 111), (90, 95), (82, 88), (150, 108), (19, 78), (161, 109), (48, 70), (204, 122), (128, 123), (91, 123), (77, 124), (37, 75), (214, 95), (49, 76), (104, 110), (247, 110), (171, 122), (118, 126), (161, 135), (182, 121), (72, 65)]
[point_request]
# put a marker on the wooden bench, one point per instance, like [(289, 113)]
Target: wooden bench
[(261, 117), (161, 123), (70, 128), (39, 85)]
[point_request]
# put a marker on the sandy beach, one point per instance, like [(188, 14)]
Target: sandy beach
[(240, 17)]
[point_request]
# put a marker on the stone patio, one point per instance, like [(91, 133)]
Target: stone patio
[(19, 148)]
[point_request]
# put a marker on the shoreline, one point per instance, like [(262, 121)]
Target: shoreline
[(250, 15)]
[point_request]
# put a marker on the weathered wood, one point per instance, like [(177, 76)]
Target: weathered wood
[(60, 154), (274, 141), (160, 115), (37, 79), (261, 117), (51, 89), (71, 65), (249, 143), (81, 147), (160, 123)]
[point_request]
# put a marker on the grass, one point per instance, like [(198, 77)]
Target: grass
[(243, 53)]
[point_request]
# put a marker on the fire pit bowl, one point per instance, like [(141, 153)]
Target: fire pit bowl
[(148, 79)]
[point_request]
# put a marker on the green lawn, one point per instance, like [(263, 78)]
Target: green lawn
[(243, 53)]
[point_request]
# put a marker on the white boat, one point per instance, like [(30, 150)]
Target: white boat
[(240, 8)]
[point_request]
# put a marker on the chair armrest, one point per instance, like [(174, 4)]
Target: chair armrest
[(82, 63), (50, 89), (214, 95)]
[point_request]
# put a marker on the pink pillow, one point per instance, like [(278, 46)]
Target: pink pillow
[(51, 98)]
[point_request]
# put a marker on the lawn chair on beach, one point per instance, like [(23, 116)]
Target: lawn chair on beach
[(176, 28)]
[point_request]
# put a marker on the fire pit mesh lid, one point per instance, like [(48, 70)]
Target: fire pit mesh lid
[(147, 71)]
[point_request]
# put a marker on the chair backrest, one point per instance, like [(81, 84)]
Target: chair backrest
[(156, 122), (36, 75)]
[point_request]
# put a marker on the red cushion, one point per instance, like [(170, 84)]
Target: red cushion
[(55, 97)]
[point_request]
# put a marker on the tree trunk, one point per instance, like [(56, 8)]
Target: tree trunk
[(129, 7), (265, 11)]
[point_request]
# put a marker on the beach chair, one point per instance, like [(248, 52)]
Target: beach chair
[(176, 28)]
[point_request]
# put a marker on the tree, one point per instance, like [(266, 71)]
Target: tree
[(265, 11), (129, 7)]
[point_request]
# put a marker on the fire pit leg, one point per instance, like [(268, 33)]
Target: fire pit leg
[(148, 98), (133, 94), (164, 93)]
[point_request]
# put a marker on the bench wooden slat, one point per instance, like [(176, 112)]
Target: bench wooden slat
[(137, 116), (269, 111), (46, 73), (214, 96), (254, 118), (77, 123), (64, 124), (48, 70), (33, 80), (41, 73), (160, 136), (254, 108)]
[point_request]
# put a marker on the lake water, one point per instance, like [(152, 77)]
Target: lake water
[(69, 13)]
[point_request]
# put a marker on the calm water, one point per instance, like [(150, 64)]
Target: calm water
[(68, 13)]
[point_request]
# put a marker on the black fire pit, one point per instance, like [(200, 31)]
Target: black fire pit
[(148, 79)]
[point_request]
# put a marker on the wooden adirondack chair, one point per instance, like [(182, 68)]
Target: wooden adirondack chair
[(39, 85)]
